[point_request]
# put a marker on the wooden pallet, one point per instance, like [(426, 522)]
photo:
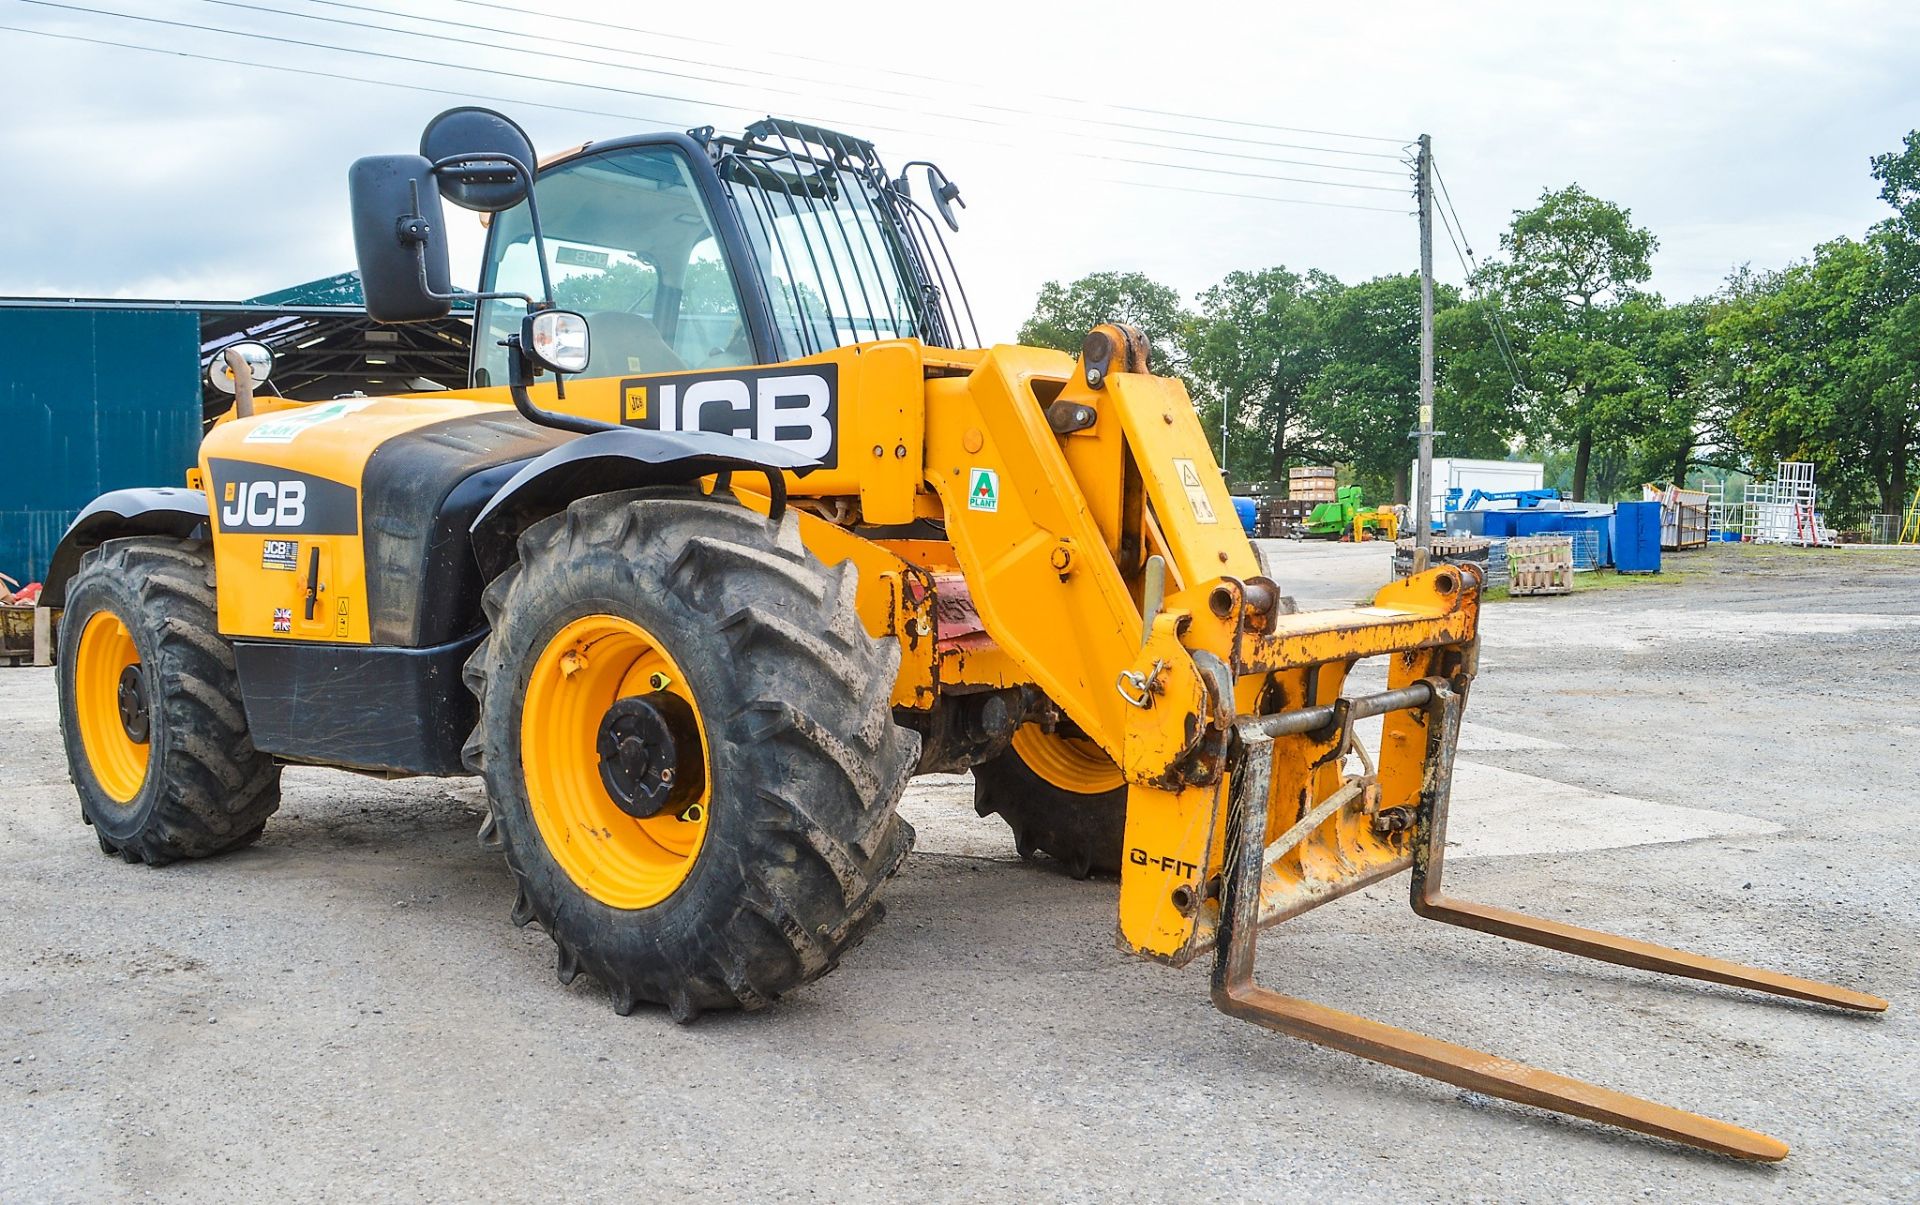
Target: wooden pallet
[(26, 635), (1311, 483), (1540, 565), (1282, 518)]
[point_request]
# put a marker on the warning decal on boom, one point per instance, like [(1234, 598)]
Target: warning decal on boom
[(1196, 491)]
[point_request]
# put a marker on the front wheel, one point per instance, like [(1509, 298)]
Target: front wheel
[(689, 750)]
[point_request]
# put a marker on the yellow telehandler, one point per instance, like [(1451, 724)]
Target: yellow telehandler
[(738, 529)]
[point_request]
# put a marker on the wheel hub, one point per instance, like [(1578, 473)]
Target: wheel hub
[(640, 743), (130, 696)]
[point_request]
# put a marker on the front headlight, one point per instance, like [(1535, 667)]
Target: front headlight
[(556, 339)]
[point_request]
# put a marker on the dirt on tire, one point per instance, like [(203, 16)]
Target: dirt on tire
[(806, 764), (207, 789)]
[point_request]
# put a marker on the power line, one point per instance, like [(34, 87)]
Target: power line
[(442, 23), (464, 94), (1472, 264), (950, 81), (1506, 358), (1500, 341), (545, 80), (457, 93), (1253, 196), (1450, 221)]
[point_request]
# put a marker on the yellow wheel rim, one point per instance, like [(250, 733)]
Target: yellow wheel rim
[(1071, 763), (106, 654), (622, 861)]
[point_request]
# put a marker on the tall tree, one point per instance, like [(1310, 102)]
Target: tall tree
[(1479, 405), (1366, 397), (1899, 175), (1819, 377), (1254, 351), (1899, 237), (1568, 265), (1064, 314), (1677, 358)]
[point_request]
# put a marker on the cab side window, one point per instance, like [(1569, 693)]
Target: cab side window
[(709, 331)]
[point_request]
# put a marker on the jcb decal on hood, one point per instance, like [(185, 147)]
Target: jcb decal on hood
[(797, 408), (266, 498)]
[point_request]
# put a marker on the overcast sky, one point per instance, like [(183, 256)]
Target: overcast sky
[(1740, 132)]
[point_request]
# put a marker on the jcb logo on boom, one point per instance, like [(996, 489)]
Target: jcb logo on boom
[(797, 408), (264, 498)]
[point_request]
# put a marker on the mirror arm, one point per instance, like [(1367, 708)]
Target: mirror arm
[(539, 244), (519, 377), (242, 382), (532, 215)]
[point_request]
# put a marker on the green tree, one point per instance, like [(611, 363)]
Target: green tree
[(1064, 314), (1899, 175), (1254, 352), (1366, 396), (1479, 406), (1899, 237), (1677, 357), (1569, 264), (1821, 376)]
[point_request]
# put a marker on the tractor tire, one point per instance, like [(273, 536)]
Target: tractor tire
[(156, 735), (769, 868), (1061, 796)]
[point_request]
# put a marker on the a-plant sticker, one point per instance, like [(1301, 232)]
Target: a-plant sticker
[(283, 428), (983, 490)]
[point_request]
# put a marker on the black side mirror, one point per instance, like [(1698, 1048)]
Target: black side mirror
[(946, 194), (494, 156), (399, 239)]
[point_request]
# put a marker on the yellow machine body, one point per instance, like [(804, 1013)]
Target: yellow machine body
[(1040, 581)]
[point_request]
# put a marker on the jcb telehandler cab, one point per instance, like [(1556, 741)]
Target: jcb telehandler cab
[(735, 532)]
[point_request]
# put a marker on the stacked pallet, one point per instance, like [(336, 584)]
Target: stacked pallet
[(1284, 518), (1310, 483), (26, 635), (1540, 565), (1446, 549)]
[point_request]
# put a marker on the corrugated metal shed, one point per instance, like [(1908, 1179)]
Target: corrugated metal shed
[(100, 394), (90, 400)]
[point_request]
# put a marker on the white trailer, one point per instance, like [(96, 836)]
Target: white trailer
[(1493, 476)]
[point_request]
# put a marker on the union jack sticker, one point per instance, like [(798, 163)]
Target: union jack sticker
[(283, 619)]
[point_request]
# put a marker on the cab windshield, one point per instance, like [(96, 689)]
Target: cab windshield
[(631, 245), (844, 255)]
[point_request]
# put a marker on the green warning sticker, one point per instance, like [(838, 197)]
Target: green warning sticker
[(983, 489)]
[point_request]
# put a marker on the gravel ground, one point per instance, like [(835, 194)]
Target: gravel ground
[(343, 1012)]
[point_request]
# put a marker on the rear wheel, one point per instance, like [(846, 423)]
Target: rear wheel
[(1062, 796), (689, 749), (156, 736)]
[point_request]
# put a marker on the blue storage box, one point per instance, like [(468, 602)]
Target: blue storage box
[(1636, 537)]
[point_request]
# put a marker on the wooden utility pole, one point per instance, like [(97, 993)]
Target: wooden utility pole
[(1423, 478)]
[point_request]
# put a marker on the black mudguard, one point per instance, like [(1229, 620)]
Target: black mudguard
[(623, 458), (155, 511)]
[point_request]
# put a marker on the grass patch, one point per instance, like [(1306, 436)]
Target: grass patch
[(1604, 579)]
